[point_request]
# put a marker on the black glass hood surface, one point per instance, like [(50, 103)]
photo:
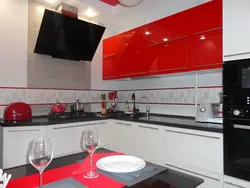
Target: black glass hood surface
[(64, 37)]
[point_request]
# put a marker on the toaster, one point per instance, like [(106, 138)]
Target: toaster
[(17, 111)]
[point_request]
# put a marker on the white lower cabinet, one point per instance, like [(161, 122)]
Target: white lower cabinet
[(16, 144), (149, 143), (196, 149), (123, 137), (210, 180), (67, 138), (230, 182)]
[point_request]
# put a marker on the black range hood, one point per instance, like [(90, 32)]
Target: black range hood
[(64, 37)]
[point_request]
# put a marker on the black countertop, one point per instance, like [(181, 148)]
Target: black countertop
[(169, 178), (163, 120)]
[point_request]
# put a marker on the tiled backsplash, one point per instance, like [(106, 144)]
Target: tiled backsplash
[(175, 101)]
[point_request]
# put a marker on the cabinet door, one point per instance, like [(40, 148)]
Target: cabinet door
[(147, 142), (236, 29), (169, 28), (110, 68), (110, 46), (206, 50), (123, 137), (104, 134), (174, 56), (16, 144), (66, 138), (191, 148), (211, 181), (206, 17)]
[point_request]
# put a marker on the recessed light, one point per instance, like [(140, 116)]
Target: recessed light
[(203, 38), (147, 33), (90, 13), (165, 39), (40, 9)]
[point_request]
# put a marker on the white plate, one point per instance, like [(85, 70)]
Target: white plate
[(121, 164)]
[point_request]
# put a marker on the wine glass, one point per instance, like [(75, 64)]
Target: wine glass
[(91, 141), (41, 154)]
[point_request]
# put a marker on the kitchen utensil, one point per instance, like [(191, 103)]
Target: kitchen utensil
[(91, 141), (58, 108), (121, 164), (17, 111), (41, 155), (77, 106), (208, 113)]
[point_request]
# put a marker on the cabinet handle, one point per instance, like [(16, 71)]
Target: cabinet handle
[(242, 127), (214, 137), (123, 124), (153, 128), (133, 74), (28, 130), (208, 65), (109, 56), (231, 55), (209, 30), (229, 183), (57, 128), (157, 43), (180, 68), (154, 71), (193, 172)]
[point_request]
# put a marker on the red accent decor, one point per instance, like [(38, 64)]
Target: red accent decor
[(68, 13), (111, 2), (17, 111), (66, 172)]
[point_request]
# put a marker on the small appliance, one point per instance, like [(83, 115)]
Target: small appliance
[(209, 113), (58, 108), (77, 106), (17, 111)]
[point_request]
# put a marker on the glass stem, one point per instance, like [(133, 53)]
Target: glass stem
[(41, 179), (90, 162)]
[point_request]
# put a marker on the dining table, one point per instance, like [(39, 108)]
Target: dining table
[(67, 172)]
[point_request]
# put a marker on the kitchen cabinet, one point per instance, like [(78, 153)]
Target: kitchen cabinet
[(17, 143), (206, 17), (206, 50), (230, 182), (170, 28), (210, 181), (123, 137), (196, 149), (104, 133), (111, 46), (148, 142), (67, 138), (236, 29)]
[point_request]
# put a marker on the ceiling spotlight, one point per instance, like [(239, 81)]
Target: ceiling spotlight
[(90, 13), (40, 9), (203, 38)]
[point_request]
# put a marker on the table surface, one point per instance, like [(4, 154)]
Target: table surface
[(166, 179)]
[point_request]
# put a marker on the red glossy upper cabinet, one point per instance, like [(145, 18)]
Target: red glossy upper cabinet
[(175, 56), (134, 55), (170, 28), (206, 50), (206, 17), (110, 46)]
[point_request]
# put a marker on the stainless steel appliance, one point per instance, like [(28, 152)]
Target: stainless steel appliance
[(77, 106), (236, 112)]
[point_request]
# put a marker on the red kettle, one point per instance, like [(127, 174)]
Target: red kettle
[(58, 108)]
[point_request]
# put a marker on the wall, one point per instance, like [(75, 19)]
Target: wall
[(13, 45), (174, 94), (47, 72)]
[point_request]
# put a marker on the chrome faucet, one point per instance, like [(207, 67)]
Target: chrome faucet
[(147, 107)]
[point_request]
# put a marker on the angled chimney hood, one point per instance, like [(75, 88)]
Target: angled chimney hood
[(66, 37)]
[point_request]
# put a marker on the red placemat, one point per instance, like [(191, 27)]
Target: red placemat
[(50, 176)]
